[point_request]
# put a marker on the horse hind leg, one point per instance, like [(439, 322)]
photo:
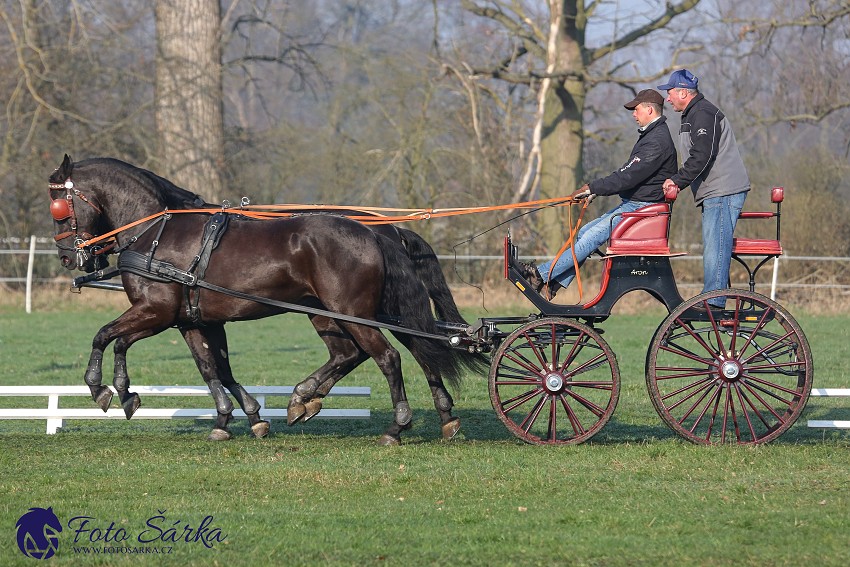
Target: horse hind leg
[(443, 402), (344, 356), (449, 424), (209, 349), (388, 360)]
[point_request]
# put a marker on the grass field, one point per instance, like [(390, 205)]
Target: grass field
[(323, 493)]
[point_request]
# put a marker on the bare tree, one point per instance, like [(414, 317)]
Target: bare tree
[(189, 118), (553, 56)]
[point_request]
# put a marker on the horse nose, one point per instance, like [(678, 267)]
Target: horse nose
[(66, 261)]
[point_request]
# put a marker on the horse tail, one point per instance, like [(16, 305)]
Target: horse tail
[(428, 269), (405, 297)]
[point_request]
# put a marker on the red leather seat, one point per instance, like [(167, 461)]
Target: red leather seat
[(761, 246), (643, 232), (756, 247)]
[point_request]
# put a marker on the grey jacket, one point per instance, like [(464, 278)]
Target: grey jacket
[(712, 164)]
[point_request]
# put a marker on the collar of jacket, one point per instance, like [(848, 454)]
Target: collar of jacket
[(691, 104), (660, 120)]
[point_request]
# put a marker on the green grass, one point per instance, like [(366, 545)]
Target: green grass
[(323, 493)]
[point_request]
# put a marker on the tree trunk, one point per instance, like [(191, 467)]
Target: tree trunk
[(189, 121), (561, 144)]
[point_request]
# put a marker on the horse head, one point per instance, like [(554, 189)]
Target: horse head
[(77, 217)]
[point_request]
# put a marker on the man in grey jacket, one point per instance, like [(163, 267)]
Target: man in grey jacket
[(713, 168)]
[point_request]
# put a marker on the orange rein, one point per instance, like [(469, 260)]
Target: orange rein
[(372, 215)]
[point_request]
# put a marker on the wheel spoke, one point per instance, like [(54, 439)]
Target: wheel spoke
[(743, 404), (700, 385), (683, 372), (593, 408), (688, 329), (571, 415), (515, 402), (532, 417)]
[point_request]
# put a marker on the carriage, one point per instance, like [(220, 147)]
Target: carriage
[(741, 374)]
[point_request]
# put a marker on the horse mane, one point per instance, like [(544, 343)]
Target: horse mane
[(171, 195)]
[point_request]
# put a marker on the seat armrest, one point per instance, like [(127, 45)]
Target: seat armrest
[(757, 214)]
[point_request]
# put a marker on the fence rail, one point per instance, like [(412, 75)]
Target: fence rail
[(33, 251)]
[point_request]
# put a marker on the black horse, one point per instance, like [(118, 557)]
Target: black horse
[(319, 261)]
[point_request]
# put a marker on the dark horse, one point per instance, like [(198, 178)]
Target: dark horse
[(319, 261)]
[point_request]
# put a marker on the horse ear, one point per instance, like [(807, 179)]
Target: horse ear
[(63, 172)]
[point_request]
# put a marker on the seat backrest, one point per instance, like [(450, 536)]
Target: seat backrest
[(642, 231), (643, 226)]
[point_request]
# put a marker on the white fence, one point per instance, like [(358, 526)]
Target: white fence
[(32, 251), (55, 415)]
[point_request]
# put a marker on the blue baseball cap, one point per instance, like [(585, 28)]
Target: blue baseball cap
[(681, 79)]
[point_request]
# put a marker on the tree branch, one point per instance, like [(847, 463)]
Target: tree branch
[(671, 12)]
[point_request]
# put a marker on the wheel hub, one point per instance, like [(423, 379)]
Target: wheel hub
[(553, 382), (730, 370)]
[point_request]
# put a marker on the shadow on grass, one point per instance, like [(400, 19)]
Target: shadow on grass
[(476, 425)]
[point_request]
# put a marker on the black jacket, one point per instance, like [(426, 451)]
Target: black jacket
[(653, 159)]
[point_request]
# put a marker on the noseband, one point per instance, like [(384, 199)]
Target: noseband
[(63, 209)]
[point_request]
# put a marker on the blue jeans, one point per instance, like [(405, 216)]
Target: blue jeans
[(719, 217), (590, 237)]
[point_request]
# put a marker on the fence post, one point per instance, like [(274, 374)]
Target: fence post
[(29, 274), (773, 280)]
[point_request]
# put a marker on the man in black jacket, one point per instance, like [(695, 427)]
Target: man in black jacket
[(713, 167), (638, 183)]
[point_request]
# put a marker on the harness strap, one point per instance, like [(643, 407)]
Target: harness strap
[(136, 263), (152, 269), (214, 229), (323, 312)]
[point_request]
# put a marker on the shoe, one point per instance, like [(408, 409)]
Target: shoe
[(530, 273), (551, 288)]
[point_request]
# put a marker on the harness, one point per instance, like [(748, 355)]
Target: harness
[(147, 266)]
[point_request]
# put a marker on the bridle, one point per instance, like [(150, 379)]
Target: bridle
[(62, 209)]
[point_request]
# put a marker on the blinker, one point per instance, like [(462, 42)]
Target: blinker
[(59, 209)]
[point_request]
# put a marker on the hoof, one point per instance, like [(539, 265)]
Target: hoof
[(387, 440), (219, 435), (131, 405), (260, 429), (450, 429), (313, 407), (294, 413), (103, 398)]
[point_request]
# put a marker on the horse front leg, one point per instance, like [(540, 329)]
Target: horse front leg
[(101, 395), (135, 320)]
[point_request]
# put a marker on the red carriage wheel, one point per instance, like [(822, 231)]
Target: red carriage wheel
[(740, 375), (554, 381)]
